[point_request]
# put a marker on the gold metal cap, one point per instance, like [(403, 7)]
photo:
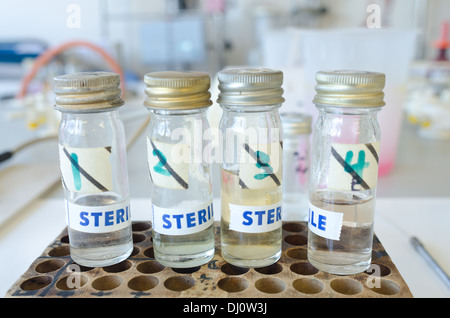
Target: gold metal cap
[(348, 88), (87, 91), (296, 123), (177, 90), (250, 86)]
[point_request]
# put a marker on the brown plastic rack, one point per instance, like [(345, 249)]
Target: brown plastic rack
[(142, 276)]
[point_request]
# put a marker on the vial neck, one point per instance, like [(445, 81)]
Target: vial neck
[(111, 113), (250, 108), (177, 112), (347, 111)]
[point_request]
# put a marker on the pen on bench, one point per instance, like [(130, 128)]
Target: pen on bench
[(424, 253)]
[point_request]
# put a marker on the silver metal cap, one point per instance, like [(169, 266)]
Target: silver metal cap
[(87, 91), (250, 86), (348, 88), (296, 123)]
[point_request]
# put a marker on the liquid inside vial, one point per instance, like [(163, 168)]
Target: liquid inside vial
[(100, 249), (183, 251), (187, 250), (352, 253), (248, 249)]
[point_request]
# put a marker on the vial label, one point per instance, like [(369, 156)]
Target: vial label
[(98, 219), (86, 170), (353, 167), (255, 219), (325, 223), (182, 220), (169, 164), (260, 166)]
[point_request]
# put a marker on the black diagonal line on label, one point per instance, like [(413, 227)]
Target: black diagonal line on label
[(253, 154), (84, 173), (347, 167), (372, 151), (169, 168), (242, 184)]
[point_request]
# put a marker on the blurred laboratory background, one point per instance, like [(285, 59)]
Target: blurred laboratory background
[(406, 39)]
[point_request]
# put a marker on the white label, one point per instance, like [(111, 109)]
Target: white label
[(261, 166), (325, 223), (98, 219), (169, 164), (86, 170), (182, 221), (353, 167), (255, 219)]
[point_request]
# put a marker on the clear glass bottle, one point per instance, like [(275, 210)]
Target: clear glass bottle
[(296, 165), (92, 151), (180, 173), (251, 192), (344, 170)]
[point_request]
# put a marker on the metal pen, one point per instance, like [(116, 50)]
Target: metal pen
[(424, 253)]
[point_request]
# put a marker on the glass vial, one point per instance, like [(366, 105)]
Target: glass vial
[(180, 174), (251, 173), (296, 165), (92, 152), (344, 171)]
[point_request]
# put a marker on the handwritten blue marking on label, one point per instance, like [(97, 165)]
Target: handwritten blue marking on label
[(76, 171), (159, 167)]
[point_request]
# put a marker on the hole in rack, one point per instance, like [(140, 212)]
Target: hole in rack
[(138, 238), (150, 267), (294, 227), (188, 270), (107, 282), (233, 284), (308, 285), (135, 251), (387, 287), (59, 251), (270, 285), (233, 270), (49, 265), (140, 226), (149, 252), (303, 268), (274, 268), (143, 283), (297, 253), (34, 283), (378, 269), (179, 283), (119, 267), (346, 286), (296, 239), (83, 268), (65, 239), (75, 282)]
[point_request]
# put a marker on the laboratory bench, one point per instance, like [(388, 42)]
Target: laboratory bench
[(412, 200)]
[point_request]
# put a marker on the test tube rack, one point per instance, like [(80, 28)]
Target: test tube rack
[(54, 272)]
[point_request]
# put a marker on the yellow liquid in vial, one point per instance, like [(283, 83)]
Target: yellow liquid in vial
[(248, 249)]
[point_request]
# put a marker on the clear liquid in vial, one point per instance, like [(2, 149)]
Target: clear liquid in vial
[(100, 249), (182, 251), (352, 253)]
